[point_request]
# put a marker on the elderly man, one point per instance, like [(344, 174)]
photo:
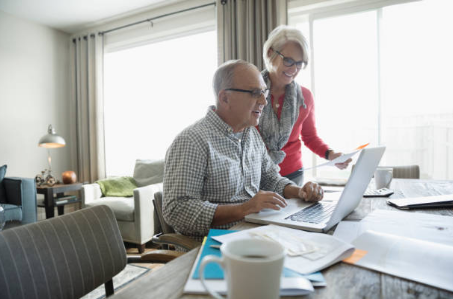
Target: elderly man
[(217, 171)]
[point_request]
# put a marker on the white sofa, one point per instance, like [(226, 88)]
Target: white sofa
[(135, 216)]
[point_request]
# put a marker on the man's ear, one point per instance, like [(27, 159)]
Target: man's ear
[(223, 97)]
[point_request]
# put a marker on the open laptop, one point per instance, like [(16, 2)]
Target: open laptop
[(321, 216)]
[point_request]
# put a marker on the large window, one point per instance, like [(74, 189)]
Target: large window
[(382, 74), (153, 92)]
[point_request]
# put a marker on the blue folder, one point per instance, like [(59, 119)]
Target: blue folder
[(214, 271)]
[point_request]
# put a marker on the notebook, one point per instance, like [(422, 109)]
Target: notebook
[(334, 206), (426, 202)]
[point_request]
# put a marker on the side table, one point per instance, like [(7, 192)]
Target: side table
[(51, 201)]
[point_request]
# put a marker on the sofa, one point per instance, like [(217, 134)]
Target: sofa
[(135, 214), (18, 199)]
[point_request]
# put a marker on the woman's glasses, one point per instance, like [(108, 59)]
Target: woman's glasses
[(290, 62)]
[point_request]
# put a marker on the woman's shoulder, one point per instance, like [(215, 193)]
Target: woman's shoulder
[(308, 96)]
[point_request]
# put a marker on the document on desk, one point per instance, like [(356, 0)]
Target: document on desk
[(307, 252), (427, 227), (292, 283), (422, 261)]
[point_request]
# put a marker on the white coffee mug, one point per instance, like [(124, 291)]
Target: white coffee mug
[(383, 177), (252, 267)]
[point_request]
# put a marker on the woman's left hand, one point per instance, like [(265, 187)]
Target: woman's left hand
[(333, 155)]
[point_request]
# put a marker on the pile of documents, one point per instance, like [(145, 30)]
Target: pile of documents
[(414, 246)]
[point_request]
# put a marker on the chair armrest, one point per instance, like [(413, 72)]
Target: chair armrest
[(144, 210), (177, 240), (155, 256), (90, 193), (22, 192)]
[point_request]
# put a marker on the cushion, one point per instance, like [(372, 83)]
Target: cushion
[(120, 186), (148, 172), (2, 188)]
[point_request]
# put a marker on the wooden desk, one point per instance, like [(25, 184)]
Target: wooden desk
[(50, 201), (343, 280)]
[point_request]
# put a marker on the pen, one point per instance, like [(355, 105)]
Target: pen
[(215, 246)]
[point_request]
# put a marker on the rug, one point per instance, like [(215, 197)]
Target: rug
[(122, 279)]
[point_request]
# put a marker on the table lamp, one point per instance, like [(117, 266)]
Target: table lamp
[(51, 140)]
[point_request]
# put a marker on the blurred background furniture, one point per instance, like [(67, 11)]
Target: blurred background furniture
[(135, 215), (404, 171), (60, 200), (167, 235), (18, 198), (64, 257)]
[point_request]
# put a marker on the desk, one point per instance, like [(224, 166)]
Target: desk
[(50, 201), (343, 280)]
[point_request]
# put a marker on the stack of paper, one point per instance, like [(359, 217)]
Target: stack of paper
[(293, 282), (414, 246)]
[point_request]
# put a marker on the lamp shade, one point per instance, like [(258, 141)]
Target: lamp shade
[(51, 139)]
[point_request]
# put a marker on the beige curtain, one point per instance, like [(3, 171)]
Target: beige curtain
[(244, 25), (87, 77)]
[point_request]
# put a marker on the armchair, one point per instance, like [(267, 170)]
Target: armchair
[(18, 198), (135, 216)]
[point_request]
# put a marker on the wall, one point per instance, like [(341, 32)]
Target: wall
[(34, 92)]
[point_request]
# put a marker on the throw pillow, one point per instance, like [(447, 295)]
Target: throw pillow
[(2, 189), (118, 187), (148, 172)]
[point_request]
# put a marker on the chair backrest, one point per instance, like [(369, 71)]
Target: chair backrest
[(166, 229), (63, 257), (405, 172)]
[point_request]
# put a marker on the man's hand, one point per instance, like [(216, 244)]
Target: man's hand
[(333, 155), (311, 192), (264, 200)]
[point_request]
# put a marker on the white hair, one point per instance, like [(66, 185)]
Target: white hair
[(278, 38), (223, 77)]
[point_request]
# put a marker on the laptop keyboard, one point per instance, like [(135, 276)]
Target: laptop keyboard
[(315, 213)]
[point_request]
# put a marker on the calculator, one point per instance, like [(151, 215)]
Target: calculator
[(383, 192)]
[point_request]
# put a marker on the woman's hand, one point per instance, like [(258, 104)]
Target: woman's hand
[(311, 192), (333, 155)]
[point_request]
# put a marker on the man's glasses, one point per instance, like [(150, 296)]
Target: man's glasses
[(290, 62), (256, 93)]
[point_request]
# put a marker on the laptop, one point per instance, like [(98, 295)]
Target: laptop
[(323, 215)]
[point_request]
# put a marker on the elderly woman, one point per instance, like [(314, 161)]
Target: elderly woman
[(289, 118)]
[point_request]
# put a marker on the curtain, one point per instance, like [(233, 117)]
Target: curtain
[(244, 25), (87, 79)]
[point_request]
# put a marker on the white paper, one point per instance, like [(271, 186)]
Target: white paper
[(330, 249), (340, 159), (428, 227), (425, 262), (289, 286)]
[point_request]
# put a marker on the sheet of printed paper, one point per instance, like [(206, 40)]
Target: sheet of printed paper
[(340, 159), (307, 252)]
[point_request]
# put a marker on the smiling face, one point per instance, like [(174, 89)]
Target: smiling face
[(282, 75), (240, 109)]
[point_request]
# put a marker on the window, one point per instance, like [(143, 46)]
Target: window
[(151, 93), (382, 74)]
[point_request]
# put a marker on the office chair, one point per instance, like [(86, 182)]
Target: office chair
[(65, 257), (168, 236)]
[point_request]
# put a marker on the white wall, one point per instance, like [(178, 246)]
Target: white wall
[(34, 92)]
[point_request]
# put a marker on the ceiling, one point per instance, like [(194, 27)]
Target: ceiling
[(72, 16)]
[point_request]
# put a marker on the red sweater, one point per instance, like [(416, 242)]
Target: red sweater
[(304, 130)]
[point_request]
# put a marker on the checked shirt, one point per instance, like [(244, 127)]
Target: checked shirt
[(207, 166)]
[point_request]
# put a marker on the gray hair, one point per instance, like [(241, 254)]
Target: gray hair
[(223, 77), (278, 38)]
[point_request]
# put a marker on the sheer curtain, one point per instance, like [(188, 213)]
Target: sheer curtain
[(87, 55), (244, 25)]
